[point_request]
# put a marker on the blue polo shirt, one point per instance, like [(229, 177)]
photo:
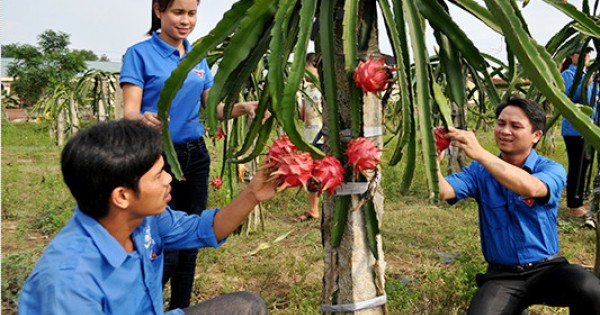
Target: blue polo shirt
[(569, 77), (514, 230), (148, 65), (84, 270)]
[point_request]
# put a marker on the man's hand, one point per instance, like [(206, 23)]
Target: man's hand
[(466, 141), (261, 187)]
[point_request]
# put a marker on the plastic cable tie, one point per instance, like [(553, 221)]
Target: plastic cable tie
[(352, 188), (368, 304), (372, 131)]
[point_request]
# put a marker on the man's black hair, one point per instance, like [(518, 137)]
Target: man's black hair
[(535, 112), (105, 156)]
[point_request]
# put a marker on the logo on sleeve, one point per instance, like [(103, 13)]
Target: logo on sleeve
[(200, 73), (527, 200), (149, 242)]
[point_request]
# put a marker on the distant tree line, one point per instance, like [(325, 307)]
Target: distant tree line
[(39, 69)]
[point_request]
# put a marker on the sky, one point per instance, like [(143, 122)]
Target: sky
[(108, 27)]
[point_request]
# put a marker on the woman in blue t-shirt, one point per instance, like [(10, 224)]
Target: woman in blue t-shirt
[(146, 67), (574, 142)]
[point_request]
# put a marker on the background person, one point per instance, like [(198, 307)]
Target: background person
[(579, 161), (146, 67), (518, 194), (311, 108), (108, 258)]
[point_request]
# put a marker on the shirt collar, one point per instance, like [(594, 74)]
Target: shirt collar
[(165, 49), (530, 161), (107, 245), (573, 67)]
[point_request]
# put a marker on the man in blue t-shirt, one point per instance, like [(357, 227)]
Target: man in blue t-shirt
[(108, 259), (518, 193)]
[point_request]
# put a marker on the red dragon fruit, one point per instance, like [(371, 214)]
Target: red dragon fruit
[(282, 146), (329, 173), (293, 170), (441, 142), (372, 75), (216, 182), (220, 134), (362, 154)]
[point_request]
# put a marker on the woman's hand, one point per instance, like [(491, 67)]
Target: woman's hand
[(249, 108), (150, 119)]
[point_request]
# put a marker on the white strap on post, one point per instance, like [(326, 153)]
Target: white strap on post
[(352, 188), (372, 303)]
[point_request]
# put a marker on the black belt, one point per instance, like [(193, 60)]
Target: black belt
[(190, 144), (521, 268)]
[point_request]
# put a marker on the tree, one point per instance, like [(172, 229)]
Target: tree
[(87, 55), (37, 70), (9, 50)]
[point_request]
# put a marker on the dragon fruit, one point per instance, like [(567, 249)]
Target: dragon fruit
[(328, 173), (293, 170), (441, 142), (220, 134), (372, 75), (362, 154), (216, 182), (282, 146)]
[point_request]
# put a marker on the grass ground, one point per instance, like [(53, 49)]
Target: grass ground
[(432, 252)]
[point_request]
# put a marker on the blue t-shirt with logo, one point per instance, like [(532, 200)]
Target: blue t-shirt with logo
[(84, 269), (514, 230), (148, 65)]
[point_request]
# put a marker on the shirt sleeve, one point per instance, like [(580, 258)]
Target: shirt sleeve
[(56, 294), (554, 176), (179, 230), (464, 183), (132, 68)]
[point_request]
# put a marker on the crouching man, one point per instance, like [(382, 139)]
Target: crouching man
[(518, 193), (108, 259)]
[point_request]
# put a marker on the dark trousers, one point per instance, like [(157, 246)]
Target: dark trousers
[(236, 303), (190, 196), (578, 165), (553, 283)]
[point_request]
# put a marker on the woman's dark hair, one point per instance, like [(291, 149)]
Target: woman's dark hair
[(566, 63), (162, 6), (535, 112), (108, 155)]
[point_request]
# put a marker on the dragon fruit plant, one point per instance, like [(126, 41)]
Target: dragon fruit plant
[(372, 75)]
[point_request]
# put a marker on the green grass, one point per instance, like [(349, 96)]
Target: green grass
[(418, 237)]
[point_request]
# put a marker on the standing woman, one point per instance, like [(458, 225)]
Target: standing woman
[(578, 162), (146, 67)]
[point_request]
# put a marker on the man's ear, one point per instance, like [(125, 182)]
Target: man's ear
[(537, 136), (121, 197)]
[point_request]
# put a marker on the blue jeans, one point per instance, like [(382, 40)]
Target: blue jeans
[(190, 196)]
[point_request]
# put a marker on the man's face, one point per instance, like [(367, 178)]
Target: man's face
[(514, 132), (154, 191)]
